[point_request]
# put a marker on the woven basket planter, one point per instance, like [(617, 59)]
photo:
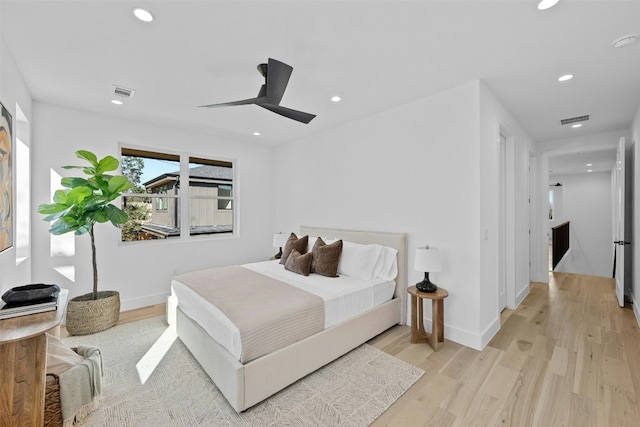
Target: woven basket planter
[(88, 316)]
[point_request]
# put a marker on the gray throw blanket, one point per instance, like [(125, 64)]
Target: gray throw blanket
[(81, 385)]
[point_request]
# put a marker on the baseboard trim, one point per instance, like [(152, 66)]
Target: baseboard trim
[(489, 333), (459, 336), (522, 295), (145, 301)]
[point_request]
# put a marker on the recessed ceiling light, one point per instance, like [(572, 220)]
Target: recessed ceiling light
[(577, 125), (336, 98), (624, 41), (590, 170), (589, 164), (546, 4), (565, 77), (116, 101), (256, 133), (143, 15)]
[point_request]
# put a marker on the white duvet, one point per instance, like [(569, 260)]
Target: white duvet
[(344, 297)]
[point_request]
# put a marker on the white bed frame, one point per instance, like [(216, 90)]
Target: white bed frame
[(244, 385)]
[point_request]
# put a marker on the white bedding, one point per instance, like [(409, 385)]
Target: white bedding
[(344, 297)]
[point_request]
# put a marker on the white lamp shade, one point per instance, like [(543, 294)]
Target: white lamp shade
[(279, 240), (428, 260)]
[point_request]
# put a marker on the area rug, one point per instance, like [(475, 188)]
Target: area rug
[(151, 379)]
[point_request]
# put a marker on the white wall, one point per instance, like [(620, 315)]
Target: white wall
[(12, 91), (141, 271), (587, 205), (494, 119), (415, 169)]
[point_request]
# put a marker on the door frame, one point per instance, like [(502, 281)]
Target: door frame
[(540, 271), (506, 221)]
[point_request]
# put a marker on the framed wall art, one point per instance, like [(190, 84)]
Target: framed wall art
[(6, 179)]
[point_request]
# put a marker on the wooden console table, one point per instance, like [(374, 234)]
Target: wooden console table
[(23, 352), (418, 334)]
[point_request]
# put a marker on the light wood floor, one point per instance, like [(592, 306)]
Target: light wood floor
[(568, 356)]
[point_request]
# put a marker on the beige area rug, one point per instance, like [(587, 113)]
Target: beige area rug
[(151, 379)]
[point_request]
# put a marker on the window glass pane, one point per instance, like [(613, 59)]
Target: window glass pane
[(211, 196), (146, 222), (207, 219), (150, 216)]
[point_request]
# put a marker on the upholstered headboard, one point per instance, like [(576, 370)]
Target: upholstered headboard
[(397, 241)]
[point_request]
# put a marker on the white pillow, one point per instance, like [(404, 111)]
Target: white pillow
[(387, 265), (358, 260)]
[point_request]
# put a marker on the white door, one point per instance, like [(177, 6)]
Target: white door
[(618, 218)]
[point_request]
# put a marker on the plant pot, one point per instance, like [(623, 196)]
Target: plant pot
[(88, 316)]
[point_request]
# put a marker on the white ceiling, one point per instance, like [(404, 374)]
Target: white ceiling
[(576, 163), (375, 54)]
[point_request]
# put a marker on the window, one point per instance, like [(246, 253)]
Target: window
[(154, 203), (211, 196)]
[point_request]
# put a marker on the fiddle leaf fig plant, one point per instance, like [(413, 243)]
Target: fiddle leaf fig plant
[(85, 201)]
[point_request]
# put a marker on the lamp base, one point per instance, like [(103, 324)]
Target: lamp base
[(426, 285), (278, 255)]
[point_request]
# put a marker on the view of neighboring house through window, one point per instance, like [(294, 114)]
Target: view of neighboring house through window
[(154, 203), (211, 196)]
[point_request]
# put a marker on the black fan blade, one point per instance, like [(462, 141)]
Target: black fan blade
[(243, 102), (262, 98), (289, 113), (278, 74)]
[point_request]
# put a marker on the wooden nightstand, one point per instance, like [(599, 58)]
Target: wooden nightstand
[(418, 334)]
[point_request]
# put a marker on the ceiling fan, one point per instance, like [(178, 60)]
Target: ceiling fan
[(276, 75)]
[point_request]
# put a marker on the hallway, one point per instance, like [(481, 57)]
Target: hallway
[(568, 356)]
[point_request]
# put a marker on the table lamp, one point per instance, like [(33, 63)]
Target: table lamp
[(429, 260), (279, 240)]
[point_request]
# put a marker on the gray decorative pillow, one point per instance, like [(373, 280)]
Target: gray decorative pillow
[(294, 243), (299, 263), (326, 257)]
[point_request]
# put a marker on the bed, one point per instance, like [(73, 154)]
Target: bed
[(246, 383)]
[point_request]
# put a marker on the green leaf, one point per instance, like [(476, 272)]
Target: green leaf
[(60, 197), (117, 215), (73, 182), (99, 182), (99, 215), (84, 229), (88, 156), (51, 208), (61, 227), (107, 164), (118, 184), (78, 194)]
